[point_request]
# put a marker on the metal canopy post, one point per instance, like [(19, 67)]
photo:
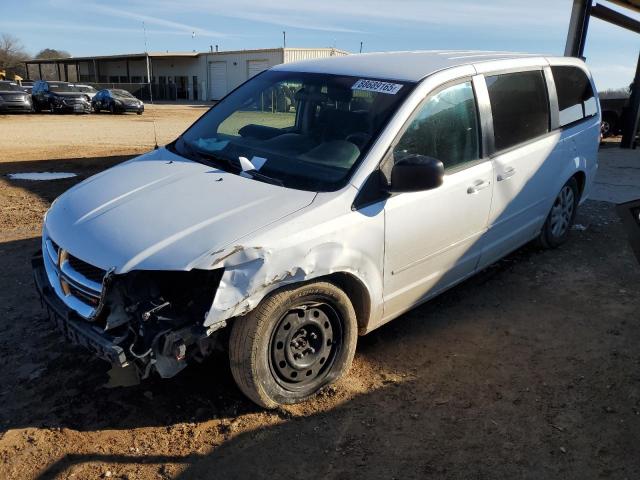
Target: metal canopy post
[(40, 70), (578, 26), (633, 114)]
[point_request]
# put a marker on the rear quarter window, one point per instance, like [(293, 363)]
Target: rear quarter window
[(520, 107), (575, 95)]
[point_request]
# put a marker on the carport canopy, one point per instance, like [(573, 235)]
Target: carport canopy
[(62, 64), (582, 11)]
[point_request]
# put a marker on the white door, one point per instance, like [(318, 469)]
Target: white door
[(432, 238), (526, 171), (218, 80), (254, 67)]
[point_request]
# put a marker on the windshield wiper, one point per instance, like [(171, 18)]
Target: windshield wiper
[(236, 167), (206, 156), (265, 178)]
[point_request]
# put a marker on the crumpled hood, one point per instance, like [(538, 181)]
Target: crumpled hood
[(163, 212)]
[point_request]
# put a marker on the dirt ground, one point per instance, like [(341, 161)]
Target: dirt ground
[(528, 370)]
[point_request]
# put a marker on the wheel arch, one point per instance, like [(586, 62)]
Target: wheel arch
[(358, 294), (581, 179)]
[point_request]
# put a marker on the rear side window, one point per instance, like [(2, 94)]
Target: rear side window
[(575, 95), (445, 128), (520, 107)]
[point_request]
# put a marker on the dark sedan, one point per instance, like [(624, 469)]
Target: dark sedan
[(116, 101), (59, 97), (13, 98)]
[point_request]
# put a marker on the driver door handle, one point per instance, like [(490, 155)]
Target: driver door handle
[(506, 174), (477, 186)]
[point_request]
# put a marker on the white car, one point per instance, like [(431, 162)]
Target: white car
[(313, 204), (86, 89)]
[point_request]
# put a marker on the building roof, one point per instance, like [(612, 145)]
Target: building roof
[(632, 4), (124, 56), (403, 66)]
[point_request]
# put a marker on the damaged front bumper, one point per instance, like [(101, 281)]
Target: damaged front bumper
[(146, 332), (73, 326)]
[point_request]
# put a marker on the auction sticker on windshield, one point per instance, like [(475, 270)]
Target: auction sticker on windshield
[(377, 86)]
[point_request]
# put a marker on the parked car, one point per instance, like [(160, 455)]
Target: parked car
[(116, 100), (299, 229), (614, 114), (86, 89), (59, 97), (13, 98), (27, 86)]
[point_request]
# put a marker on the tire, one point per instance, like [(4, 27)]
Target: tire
[(295, 342), (52, 109), (112, 109), (608, 125), (556, 228), (36, 108), (138, 113), (95, 109)]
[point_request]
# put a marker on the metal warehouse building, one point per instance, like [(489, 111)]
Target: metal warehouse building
[(174, 75)]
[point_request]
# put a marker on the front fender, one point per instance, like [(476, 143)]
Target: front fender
[(251, 273)]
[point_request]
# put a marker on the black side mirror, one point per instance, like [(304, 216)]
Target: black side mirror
[(415, 173)]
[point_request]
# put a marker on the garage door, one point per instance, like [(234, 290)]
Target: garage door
[(217, 80), (256, 66)]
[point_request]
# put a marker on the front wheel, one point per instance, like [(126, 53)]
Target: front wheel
[(558, 224), (295, 342)]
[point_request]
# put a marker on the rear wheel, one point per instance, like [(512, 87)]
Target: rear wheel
[(558, 224), (608, 125), (294, 343)]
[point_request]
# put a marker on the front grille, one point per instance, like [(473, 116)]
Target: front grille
[(74, 101), (92, 273), (77, 283)]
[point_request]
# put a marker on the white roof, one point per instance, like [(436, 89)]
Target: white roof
[(403, 66)]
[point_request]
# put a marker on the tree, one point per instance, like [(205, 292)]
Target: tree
[(48, 53), (50, 72), (12, 56)]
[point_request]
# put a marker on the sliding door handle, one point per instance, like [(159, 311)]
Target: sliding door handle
[(506, 174)]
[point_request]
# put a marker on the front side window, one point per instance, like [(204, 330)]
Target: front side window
[(446, 128), (520, 107), (301, 130), (575, 95)]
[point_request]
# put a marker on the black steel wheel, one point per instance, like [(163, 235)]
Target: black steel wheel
[(295, 342), (305, 344)]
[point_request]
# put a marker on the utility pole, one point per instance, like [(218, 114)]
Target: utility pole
[(284, 39), (361, 46)]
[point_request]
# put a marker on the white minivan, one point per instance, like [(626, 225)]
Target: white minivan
[(314, 203)]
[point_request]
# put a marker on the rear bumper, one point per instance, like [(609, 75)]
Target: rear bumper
[(76, 329)]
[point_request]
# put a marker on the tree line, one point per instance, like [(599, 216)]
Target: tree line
[(13, 55)]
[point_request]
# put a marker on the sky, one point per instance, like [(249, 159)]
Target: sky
[(109, 27)]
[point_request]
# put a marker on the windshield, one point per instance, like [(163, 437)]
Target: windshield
[(10, 87), (62, 87), (121, 93), (306, 131)]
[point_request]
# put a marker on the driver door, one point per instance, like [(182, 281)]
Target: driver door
[(432, 237)]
